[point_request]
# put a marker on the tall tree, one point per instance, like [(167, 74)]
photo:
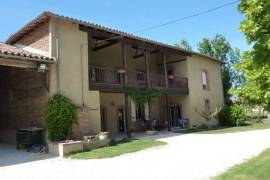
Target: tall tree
[(220, 48), (255, 64), (184, 44), (205, 47), (256, 27)]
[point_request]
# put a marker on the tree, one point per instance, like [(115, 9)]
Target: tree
[(255, 64), (256, 27), (220, 48), (184, 44), (205, 47), (142, 96)]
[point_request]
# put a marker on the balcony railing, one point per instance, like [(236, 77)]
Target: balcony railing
[(105, 75), (137, 79), (178, 83), (109, 76), (157, 80)]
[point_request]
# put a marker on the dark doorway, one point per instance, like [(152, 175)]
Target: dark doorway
[(174, 115), (103, 117), (121, 119)]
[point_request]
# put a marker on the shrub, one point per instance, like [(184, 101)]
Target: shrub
[(232, 115), (60, 115)]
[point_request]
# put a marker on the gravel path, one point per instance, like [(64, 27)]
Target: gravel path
[(191, 156)]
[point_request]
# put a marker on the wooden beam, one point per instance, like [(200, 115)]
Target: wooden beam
[(172, 62), (165, 70), (104, 46), (17, 63), (147, 53), (142, 55), (124, 58)]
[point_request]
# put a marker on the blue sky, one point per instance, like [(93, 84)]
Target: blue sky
[(131, 16)]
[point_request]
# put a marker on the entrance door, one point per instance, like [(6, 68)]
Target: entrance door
[(103, 119), (121, 119), (175, 115)]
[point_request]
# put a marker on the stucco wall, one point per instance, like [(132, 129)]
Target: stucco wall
[(73, 68), (197, 95)]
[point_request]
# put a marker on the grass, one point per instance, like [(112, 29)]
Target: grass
[(223, 130), (121, 147), (257, 168)]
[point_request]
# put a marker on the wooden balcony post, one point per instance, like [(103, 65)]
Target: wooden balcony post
[(165, 69), (167, 116), (124, 57), (146, 55)]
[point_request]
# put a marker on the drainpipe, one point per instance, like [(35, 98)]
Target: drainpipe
[(82, 71), (57, 45)]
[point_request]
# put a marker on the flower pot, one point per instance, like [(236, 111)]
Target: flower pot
[(103, 135), (63, 148)]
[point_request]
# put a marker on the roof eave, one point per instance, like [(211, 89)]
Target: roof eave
[(8, 56)]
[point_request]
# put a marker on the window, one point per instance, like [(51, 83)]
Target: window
[(207, 106), (205, 80), (140, 112), (96, 74), (140, 76)]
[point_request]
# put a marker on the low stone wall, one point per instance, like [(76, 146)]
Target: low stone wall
[(62, 149)]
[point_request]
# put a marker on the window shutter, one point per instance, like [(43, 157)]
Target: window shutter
[(204, 78)]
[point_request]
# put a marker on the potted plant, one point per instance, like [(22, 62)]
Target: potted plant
[(103, 135), (60, 115)]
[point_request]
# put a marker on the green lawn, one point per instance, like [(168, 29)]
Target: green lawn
[(121, 147), (256, 126), (257, 168)]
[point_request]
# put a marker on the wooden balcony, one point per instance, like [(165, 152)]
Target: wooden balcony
[(105, 79)]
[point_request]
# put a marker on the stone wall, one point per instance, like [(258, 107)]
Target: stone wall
[(82, 128), (23, 95)]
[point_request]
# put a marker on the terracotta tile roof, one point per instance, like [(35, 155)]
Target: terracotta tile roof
[(47, 14), (6, 49)]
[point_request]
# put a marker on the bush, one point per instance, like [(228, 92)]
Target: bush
[(232, 115), (60, 115)]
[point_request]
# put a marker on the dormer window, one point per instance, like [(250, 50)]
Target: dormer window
[(205, 80)]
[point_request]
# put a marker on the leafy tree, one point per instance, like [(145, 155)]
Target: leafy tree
[(142, 96), (184, 44), (255, 64), (205, 47), (220, 48), (256, 27)]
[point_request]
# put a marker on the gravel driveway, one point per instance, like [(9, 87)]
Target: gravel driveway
[(190, 156)]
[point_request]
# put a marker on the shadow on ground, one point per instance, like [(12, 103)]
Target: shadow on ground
[(9, 156)]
